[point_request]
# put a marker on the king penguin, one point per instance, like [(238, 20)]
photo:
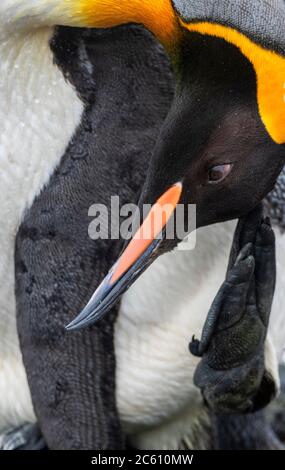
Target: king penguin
[(58, 98)]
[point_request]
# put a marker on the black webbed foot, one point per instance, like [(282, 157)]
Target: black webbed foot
[(231, 374)]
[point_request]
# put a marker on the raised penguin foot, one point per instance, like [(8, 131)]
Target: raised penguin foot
[(232, 374)]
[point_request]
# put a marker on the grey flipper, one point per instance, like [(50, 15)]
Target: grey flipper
[(72, 375), (260, 20)]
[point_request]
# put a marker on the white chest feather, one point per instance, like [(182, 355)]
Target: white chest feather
[(39, 112)]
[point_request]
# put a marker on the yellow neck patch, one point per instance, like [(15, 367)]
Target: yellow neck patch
[(160, 18), (270, 73), (156, 15)]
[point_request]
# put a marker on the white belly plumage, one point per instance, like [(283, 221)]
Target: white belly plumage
[(155, 394), (38, 113)]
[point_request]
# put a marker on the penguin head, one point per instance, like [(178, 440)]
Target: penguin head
[(214, 140), (222, 144), (213, 152)]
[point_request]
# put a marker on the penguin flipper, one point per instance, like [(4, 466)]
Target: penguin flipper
[(232, 374)]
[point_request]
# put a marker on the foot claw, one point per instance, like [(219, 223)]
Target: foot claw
[(194, 347)]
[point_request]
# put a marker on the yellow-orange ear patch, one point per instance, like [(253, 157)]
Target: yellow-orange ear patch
[(156, 15), (270, 73)]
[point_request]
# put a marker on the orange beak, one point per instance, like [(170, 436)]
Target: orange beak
[(138, 255)]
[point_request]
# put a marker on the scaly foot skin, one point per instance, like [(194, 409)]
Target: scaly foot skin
[(232, 374)]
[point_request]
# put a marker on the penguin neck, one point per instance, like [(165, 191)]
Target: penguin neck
[(158, 17)]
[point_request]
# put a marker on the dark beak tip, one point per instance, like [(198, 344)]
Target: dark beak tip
[(78, 324), (75, 325), (70, 327), (84, 319)]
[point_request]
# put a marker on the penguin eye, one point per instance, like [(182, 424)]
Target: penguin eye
[(219, 172)]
